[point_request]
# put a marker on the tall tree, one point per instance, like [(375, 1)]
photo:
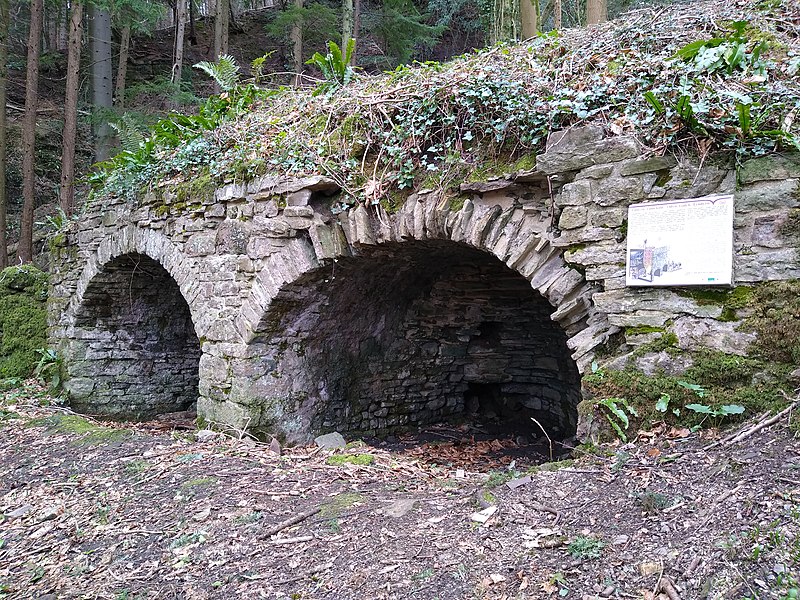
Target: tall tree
[(297, 44), (66, 194), (348, 16), (131, 17), (557, 14), (596, 11), (177, 51), (529, 18), (102, 78), (221, 28), (25, 246), (3, 79), (122, 66)]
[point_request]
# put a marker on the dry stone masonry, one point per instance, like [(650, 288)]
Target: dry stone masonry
[(278, 315)]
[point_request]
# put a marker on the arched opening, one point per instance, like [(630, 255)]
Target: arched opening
[(409, 334), (133, 352)]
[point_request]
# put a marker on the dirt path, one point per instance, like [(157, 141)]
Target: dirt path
[(118, 513)]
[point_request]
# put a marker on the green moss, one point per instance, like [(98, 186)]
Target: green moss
[(643, 329), (337, 505), (456, 203), (555, 465), (724, 379), (350, 459), (198, 482), (90, 433), (790, 228), (730, 300), (775, 319), (198, 189), (395, 200), (23, 319), (526, 162)]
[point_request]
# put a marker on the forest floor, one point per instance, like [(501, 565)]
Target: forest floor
[(140, 511)]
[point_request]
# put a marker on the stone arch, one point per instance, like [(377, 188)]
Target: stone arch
[(472, 247), (149, 243), (131, 349)]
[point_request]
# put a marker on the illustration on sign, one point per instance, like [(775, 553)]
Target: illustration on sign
[(681, 242)]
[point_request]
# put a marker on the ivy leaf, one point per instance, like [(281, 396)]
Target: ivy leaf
[(731, 409), (663, 403), (700, 408)]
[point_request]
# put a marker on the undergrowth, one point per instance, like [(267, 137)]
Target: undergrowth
[(716, 76)]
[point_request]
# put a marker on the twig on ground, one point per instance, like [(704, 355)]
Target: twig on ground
[(293, 540), (289, 522), (763, 424)]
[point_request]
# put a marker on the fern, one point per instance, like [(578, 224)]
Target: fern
[(335, 67), (225, 72), (130, 132)]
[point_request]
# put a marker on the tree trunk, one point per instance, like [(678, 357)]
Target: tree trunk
[(25, 246), (356, 29), (102, 75), (192, 32), (347, 22), (529, 18), (297, 46), (3, 79), (177, 51), (67, 191), (557, 14), (122, 67), (596, 11), (221, 25)]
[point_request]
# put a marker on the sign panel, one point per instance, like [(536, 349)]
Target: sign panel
[(681, 242)]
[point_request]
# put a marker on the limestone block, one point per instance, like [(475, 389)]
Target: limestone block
[(597, 254), (215, 211), (651, 318), (639, 166), (768, 195), (576, 194), (584, 235), (213, 369), (694, 334), (601, 272), (685, 181), (609, 217), (766, 231), (361, 225), (201, 244), (595, 172), (298, 211), (328, 240), (573, 217), (581, 147), (662, 362), (298, 198), (479, 227), (232, 237), (626, 301), (274, 228), (772, 167), (765, 266), (616, 189)]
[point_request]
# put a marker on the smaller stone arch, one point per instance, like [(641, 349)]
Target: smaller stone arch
[(131, 350)]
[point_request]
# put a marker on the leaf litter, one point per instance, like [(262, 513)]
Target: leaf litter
[(132, 517)]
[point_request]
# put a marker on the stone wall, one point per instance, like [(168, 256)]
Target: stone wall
[(364, 320)]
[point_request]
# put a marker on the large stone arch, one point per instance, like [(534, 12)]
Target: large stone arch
[(131, 348), (502, 241)]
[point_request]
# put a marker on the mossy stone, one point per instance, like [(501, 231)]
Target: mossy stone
[(23, 319)]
